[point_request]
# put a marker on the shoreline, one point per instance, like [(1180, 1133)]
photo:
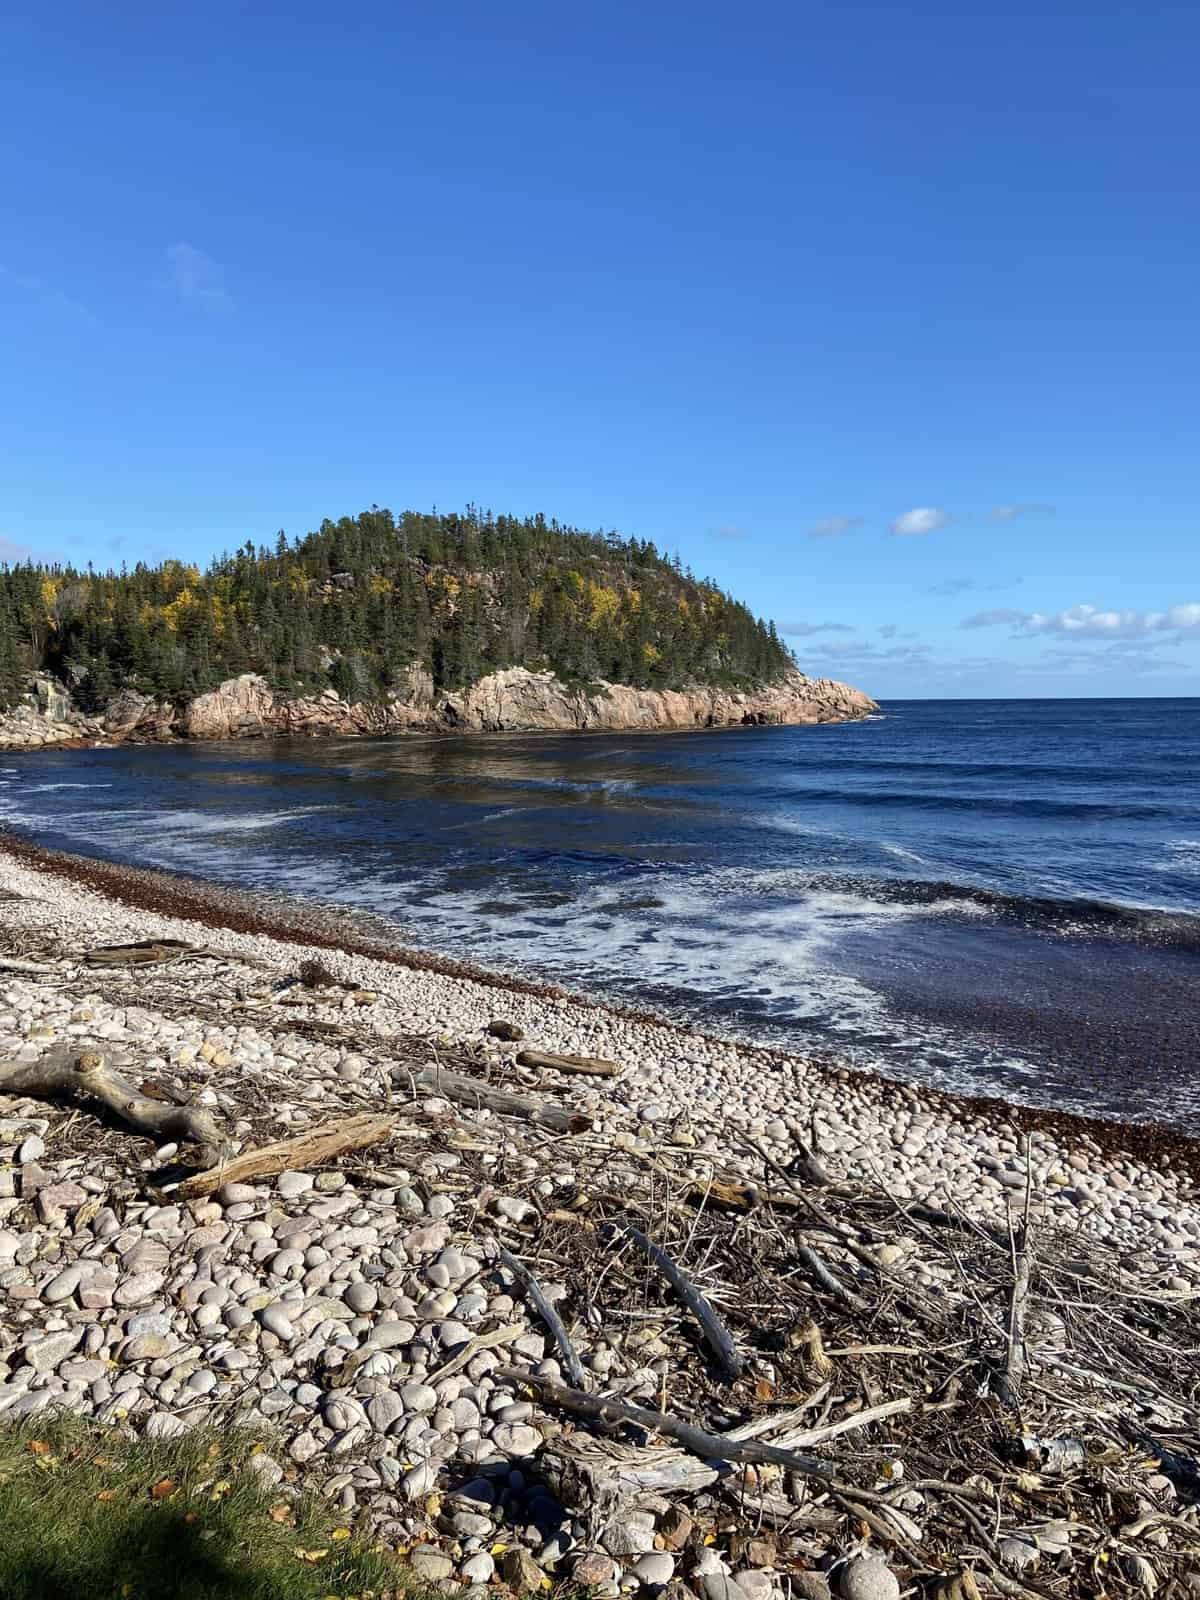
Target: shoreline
[(371, 1315), (159, 902)]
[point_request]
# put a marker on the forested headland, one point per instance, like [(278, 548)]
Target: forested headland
[(357, 603)]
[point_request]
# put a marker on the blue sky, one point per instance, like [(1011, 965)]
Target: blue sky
[(885, 316)]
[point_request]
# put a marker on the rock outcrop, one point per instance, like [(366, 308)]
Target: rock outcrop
[(515, 700)]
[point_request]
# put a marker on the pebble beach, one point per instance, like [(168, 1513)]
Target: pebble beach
[(118, 1304)]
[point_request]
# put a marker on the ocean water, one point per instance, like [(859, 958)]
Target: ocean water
[(997, 897)]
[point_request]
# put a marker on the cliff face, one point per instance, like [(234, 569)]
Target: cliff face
[(513, 700)]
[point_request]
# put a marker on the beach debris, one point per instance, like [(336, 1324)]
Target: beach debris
[(585, 1066), (310, 1149), (314, 974), (470, 1091), (360, 1307), (159, 952), (715, 1332), (538, 1300), (66, 1073)]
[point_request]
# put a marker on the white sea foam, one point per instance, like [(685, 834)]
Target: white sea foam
[(901, 854), (217, 822), (1184, 856)]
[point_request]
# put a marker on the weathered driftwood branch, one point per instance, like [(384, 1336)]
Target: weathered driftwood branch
[(708, 1446), (591, 1470), (537, 1298), (84, 1075), (586, 1066), (151, 952), (143, 953), (309, 1149), (717, 1334), (467, 1091), (38, 969)]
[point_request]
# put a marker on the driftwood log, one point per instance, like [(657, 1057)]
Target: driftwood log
[(309, 1149), (468, 1091), (708, 1446), (536, 1296), (584, 1066), (719, 1339), (83, 1076), (155, 952)]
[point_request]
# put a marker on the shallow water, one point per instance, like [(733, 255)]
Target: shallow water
[(1000, 897)]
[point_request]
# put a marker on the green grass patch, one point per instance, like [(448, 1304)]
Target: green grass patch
[(87, 1514)]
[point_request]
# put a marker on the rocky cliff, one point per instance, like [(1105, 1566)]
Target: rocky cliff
[(513, 700)]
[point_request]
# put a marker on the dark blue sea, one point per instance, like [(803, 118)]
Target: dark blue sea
[(1000, 897)]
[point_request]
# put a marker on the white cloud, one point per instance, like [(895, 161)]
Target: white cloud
[(198, 281), (921, 519), (1028, 508), (1089, 622), (730, 530), (804, 630), (833, 527)]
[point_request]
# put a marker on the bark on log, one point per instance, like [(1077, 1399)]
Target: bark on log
[(585, 1066), (548, 1314), (467, 1091), (717, 1334), (309, 1149), (84, 1075)]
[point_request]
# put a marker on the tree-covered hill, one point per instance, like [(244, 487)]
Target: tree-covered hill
[(359, 601)]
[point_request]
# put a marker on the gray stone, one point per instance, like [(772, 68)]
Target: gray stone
[(275, 1319), (362, 1297), (419, 1480), (43, 1355), (419, 1397), (720, 1586), (429, 1563), (137, 1290), (868, 1578), (384, 1411), (632, 1535), (63, 1285), (517, 1439), (389, 1335), (654, 1569)]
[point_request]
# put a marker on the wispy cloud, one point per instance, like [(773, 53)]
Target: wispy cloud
[(730, 530), (865, 654), (805, 630), (921, 519), (1085, 622), (833, 527), (36, 290), (888, 630), (953, 586), (1027, 508), (198, 281)]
